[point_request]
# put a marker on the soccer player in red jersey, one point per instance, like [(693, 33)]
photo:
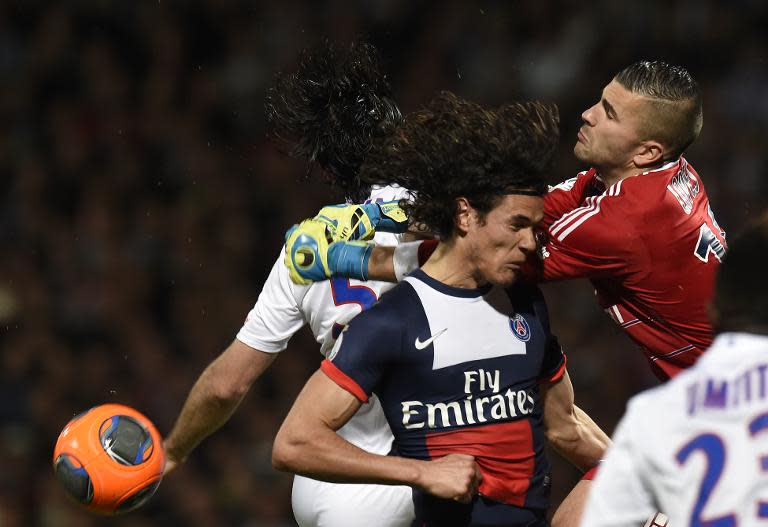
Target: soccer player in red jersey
[(637, 224)]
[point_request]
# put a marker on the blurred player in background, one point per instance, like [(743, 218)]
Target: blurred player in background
[(696, 447), (469, 375), (638, 223), (329, 111)]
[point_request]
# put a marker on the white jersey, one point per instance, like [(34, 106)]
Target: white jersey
[(695, 448), (284, 307), (280, 311)]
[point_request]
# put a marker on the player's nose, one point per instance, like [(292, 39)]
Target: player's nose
[(527, 241), (588, 115)]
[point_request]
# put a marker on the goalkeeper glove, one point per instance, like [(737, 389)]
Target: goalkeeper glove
[(311, 255), (360, 222)]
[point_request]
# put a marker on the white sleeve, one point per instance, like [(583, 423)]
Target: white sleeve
[(276, 316), (619, 496), (406, 259)]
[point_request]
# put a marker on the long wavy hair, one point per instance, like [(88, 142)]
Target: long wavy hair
[(456, 148), (330, 110)]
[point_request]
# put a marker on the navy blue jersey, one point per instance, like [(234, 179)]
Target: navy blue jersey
[(458, 371)]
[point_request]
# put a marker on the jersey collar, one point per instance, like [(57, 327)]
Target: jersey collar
[(665, 166), (450, 290)]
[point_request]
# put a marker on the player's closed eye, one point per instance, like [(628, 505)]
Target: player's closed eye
[(610, 112)]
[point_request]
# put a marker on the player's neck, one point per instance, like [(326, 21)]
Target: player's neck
[(449, 265), (611, 176)]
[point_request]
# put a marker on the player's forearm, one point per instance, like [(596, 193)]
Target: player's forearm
[(320, 453), (381, 265), (203, 413), (215, 396), (579, 440)]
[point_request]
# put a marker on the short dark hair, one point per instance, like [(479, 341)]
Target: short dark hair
[(456, 148), (676, 115), (741, 291), (330, 110)]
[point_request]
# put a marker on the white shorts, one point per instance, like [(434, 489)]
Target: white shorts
[(320, 504)]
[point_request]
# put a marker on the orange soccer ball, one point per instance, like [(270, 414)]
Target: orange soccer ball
[(110, 459)]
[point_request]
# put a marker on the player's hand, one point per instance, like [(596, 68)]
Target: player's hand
[(306, 252), (311, 255), (360, 222), (454, 477), (170, 463)]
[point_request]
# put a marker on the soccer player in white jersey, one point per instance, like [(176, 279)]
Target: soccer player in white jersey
[(697, 447), (329, 110)]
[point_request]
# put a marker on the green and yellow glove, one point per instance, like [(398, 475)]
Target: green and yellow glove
[(311, 255), (333, 243), (360, 222)]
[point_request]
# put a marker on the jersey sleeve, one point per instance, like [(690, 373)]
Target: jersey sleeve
[(591, 242), (565, 197), (276, 316), (363, 352), (620, 496)]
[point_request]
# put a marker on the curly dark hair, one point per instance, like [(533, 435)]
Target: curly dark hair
[(456, 148), (330, 110)]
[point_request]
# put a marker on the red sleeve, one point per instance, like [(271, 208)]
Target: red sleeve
[(590, 474), (567, 196), (343, 380), (593, 241), (558, 373)]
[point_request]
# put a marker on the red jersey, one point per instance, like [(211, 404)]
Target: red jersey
[(651, 247)]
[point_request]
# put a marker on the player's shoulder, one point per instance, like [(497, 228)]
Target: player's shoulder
[(606, 217), (578, 182), (527, 297), (676, 179), (392, 307), (639, 200)]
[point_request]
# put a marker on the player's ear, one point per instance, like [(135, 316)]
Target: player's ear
[(649, 154), (464, 212)]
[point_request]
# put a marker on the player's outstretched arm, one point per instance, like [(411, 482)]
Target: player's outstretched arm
[(307, 444), (213, 398), (332, 244)]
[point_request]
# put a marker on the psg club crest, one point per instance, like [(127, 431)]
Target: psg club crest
[(520, 327)]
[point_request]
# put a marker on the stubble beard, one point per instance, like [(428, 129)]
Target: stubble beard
[(581, 153)]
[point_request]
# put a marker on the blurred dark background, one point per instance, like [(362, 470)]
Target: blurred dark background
[(141, 206)]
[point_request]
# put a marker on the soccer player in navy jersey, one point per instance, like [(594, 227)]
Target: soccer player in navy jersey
[(460, 355)]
